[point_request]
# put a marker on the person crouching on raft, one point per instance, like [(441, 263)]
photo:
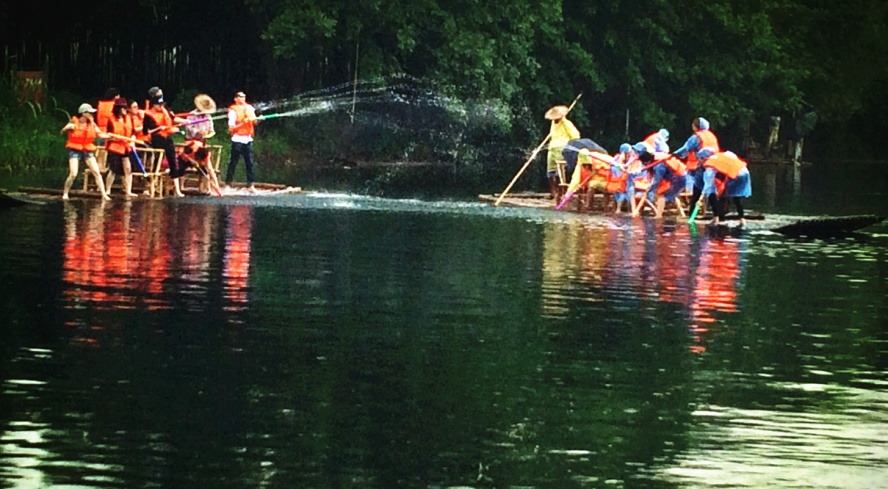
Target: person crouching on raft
[(725, 176), (82, 133), (659, 140), (700, 146), (194, 152), (626, 167), (667, 178), (560, 132)]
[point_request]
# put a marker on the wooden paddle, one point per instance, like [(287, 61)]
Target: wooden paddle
[(532, 157), (111, 135)]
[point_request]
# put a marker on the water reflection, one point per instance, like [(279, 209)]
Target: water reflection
[(149, 257), (236, 271), (439, 346), (632, 264)]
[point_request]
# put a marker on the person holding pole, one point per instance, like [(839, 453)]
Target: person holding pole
[(160, 124), (699, 146), (241, 123), (82, 132), (533, 155), (561, 131), (119, 146)]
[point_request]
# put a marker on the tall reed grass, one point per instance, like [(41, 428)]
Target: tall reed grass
[(29, 131)]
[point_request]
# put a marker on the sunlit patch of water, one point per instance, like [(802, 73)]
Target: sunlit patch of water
[(762, 448)]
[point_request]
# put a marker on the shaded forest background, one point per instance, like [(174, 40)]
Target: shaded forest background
[(640, 64)]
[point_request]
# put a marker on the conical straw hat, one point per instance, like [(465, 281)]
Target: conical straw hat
[(204, 103), (556, 112)]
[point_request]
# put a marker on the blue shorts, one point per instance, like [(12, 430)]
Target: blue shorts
[(73, 154), (550, 174), (676, 182)]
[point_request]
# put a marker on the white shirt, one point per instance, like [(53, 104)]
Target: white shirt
[(232, 122)]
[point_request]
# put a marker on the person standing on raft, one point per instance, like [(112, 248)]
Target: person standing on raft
[(241, 123), (159, 123), (120, 151), (561, 131), (700, 146), (82, 133), (726, 176)]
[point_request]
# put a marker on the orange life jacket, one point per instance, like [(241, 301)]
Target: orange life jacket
[(121, 128), (104, 111), (243, 126), (83, 136), (137, 121), (161, 117), (674, 164), (617, 184), (727, 163), (195, 145), (707, 140)]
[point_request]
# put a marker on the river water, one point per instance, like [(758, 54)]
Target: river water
[(328, 340)]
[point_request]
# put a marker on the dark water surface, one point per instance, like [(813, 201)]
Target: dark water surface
[(336, 341)]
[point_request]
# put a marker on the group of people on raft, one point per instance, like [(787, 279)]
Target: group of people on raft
[(122, 126), (647, 170)]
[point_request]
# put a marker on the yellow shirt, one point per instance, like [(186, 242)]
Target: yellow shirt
[(559, 134)]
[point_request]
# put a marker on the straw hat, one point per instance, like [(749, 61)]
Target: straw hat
[(556, 112), (204, 103)]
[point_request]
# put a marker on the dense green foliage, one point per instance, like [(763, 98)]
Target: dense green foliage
[(640, 65)]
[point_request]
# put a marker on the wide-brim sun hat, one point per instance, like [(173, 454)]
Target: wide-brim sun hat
[(84, 108), (556, 112), (204, 103)]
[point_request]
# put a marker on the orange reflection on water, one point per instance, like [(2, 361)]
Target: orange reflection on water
[(639, 262), (96, 256), (236, 268), (715, 287), (149, 256)]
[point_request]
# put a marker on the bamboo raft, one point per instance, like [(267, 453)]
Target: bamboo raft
[(811, 226), (41, 195)]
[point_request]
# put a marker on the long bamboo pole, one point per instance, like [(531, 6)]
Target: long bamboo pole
[(532, 157)]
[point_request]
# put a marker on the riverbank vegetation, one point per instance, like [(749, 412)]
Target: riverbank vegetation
[(639, 66)]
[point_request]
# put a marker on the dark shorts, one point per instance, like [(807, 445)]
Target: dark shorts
[(115, 163)]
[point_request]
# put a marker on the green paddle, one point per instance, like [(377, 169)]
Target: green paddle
[(694, 212)]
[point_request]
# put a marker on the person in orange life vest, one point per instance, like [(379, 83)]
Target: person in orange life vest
[(571, 153), (119, 151), (194, 152), (137, 118), (725, 176), (159, 123), (241, 123), (106, 106), (667, 176), (625, 169), (694, 152), (658, 141), (82, 133)]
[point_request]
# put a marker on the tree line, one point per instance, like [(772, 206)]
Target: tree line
[(640, 64)]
